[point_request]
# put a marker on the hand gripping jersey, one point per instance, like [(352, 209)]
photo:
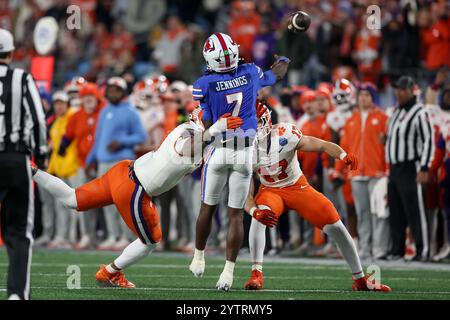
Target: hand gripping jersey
[(234, 92), (276, 161), (161, 170)]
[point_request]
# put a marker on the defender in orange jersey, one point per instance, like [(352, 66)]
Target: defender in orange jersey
[(130, 186), (283, 187)]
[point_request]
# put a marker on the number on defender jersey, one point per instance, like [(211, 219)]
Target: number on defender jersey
[(237, 99), (283, 164)]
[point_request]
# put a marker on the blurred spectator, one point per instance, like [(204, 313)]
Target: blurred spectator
[(146, 98), (140, 18), (192, 54), (244, 26), (167, 52), (436, 37), (118, 131), (64, 167), (264, 45), (363, 135), (80, 131), (297, 46)]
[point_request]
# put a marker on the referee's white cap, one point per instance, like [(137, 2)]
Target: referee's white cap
[(6, 41)]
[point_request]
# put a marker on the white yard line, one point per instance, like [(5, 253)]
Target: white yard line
[(233, 290), (309, 277)]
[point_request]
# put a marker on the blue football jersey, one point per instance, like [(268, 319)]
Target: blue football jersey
[(234, 92)]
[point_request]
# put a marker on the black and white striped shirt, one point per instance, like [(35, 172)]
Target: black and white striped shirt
[(410, 136), (22, 119)]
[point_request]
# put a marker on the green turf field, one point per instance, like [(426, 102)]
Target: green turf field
[(166, 276)]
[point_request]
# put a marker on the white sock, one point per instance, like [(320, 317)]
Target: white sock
[(257, 266), (57, 188), (134, 252), (110, 269), (344, 241), (257, 241), (199, 254), (229, 266)]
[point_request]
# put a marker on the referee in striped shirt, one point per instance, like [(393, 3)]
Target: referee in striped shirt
[(409, 151), (22, 134)]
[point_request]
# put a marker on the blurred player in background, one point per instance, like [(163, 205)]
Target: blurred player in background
[(283, 187), (228, 87)]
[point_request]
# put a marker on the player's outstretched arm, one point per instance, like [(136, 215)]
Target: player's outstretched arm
[(308, 143), (190, 143)]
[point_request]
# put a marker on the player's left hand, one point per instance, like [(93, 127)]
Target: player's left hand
[(351, 161), (114, 146), (266, 217)]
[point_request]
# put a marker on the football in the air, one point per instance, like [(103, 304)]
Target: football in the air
[(299, 22)]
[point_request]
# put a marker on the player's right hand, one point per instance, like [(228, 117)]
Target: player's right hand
[(266, 217), (351, 161), (232, 122)]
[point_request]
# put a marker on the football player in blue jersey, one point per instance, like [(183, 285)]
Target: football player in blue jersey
[(228, 87)]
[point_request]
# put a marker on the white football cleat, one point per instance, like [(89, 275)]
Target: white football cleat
[(225, 281), (197, 267)]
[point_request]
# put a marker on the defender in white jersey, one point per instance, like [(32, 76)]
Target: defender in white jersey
[(284, 187), (131, 184)]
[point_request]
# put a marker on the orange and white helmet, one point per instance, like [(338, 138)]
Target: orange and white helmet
[(221, 53), (74, 85), (72, 88), (344, 95), (264, 120)]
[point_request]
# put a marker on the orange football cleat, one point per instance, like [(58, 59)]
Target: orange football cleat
[(116, 279), (366, 284), (255, 282)]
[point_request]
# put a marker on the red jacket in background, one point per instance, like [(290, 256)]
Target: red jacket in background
[(81, 130), (437, 43), (365, 142)]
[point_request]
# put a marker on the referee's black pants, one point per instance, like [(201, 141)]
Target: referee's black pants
[(17, 220), (406, 207)]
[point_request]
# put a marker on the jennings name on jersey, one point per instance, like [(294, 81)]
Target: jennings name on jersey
[(276, 160), (232, 92)]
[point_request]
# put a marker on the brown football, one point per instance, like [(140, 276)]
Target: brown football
[(299, 22)]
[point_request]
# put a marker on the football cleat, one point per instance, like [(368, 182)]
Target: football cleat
[(365, 284), (116, 279), (255, 282), (225, 281), (197, 267)]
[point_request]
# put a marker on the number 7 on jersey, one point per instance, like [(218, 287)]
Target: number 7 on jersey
[(237, 99)]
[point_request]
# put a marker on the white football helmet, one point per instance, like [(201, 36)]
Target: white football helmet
[(221, 53), (344, 95)]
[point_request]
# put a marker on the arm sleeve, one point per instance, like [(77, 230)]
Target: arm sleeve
[(266, 78), (137, 133), (200, 94), (427, 135), (32, 99)]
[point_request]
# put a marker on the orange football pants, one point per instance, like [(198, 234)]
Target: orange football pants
[(312, 205), (118, 187)]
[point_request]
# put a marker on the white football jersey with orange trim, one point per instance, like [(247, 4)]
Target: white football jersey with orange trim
[(276, 162), (161, 170)]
